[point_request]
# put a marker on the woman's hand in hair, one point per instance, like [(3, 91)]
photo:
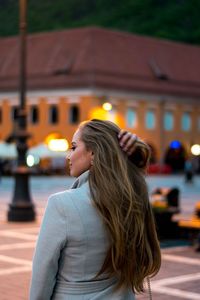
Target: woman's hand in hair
[(127, 141)]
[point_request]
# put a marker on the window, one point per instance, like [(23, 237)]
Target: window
[(34, 114), (53, 114), (131, 118), (168, 120), (198, 123), (150, 119), (74, 114), (14, 113), (186, 121), (0, 115)]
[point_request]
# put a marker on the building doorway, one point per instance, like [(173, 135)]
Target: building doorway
[(175, 156)]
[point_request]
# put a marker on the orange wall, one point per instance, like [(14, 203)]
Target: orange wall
[(157, 137)]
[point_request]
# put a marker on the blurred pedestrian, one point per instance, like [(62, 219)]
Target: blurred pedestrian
[(98, 239), (189, 171)]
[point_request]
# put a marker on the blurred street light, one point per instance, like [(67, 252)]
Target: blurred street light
[(195, 149), (107, 106), (58, 145), (21, 208)]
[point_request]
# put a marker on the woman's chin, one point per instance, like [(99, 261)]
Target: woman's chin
[(72, 173)]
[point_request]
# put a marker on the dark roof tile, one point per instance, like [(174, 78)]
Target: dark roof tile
[(99, 57)]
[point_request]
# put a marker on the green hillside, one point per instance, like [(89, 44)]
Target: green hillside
[(172, 19)]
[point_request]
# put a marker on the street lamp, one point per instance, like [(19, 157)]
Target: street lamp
[(107, 106), (21, 208)]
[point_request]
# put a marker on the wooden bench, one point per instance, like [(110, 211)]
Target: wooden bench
[(192, 225)]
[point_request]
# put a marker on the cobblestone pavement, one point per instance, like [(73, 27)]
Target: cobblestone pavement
[(178, 278)]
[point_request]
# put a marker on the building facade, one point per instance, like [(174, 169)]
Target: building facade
[(153, 86)]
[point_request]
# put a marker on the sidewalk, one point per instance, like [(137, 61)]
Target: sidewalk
[(178, 278)]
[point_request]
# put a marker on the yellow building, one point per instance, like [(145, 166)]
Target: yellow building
[(153, 86)]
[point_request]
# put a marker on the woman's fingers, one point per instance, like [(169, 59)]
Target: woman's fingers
[(129, 144), (121, 133), (127, 141)]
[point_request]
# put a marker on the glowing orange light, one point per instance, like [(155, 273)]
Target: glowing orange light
[(58, 145)]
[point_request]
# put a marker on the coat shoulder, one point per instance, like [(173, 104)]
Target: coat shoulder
[(65, 198)]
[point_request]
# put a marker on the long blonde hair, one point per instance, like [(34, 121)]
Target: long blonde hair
[(120, 194)]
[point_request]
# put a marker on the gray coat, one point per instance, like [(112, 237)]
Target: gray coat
[(70, 250)]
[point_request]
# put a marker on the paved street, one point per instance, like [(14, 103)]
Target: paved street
[(42, 187), (180, 272)]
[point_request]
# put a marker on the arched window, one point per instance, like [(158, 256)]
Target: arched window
[(53, 114), (131, 118), (168, 120), (175, 155), (34, 114), (74, 114), (186, 121), (150, 121)]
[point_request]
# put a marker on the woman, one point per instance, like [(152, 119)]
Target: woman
[(98, 239)]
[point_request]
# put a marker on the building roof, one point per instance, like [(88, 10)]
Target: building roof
[(97, 57)]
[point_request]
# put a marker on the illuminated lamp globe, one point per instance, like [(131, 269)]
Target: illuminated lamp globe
[(195, 149), (107, 106), (30, 160)]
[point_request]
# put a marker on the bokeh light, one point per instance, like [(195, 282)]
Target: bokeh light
[(107, 106), (58, 145), (195, 149)]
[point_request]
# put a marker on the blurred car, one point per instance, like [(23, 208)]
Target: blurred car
[(159, 169)]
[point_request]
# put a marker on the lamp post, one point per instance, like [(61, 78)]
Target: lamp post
[(21, 208)]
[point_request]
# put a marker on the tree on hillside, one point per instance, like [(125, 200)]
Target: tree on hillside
[(171, 19)]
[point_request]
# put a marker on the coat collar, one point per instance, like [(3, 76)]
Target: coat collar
[(83, 178)]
